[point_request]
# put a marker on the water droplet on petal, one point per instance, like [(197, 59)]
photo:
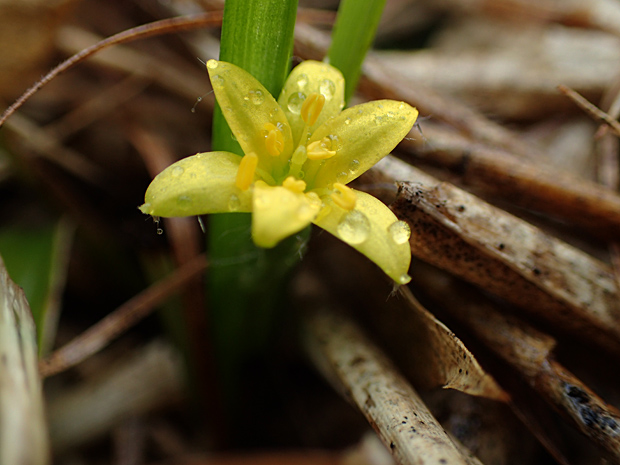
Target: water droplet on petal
[(295, 102), (390, 114), (184, 201), (327, 88), (212, 64), (257, 97), (400, 232), (342, 177), (302, 81), (234, 203), (347, 121), (217, 79), (354, 228), (354, 166), (177, 171)]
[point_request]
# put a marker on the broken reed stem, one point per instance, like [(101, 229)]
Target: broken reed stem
[(366, 377)]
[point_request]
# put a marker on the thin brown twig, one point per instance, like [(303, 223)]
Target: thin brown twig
[(99, 335), (164, 26), (591, 109)]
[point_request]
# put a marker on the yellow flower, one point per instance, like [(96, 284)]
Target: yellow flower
[(300, 152)]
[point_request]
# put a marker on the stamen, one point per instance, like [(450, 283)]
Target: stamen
[(274, 140), (321, 149), (311, 108), (294, 185), (344, 196), (246, 171)]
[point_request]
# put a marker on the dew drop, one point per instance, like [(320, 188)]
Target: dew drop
[(177, 171), (347, 121), (327, 88), (335, 143), (354, 228), (212, 64), (354, 166), (234, 203), (390, 114), (342, 177), (217, 79), (302, 81), (184, 201), (295, 102), (404, 279), (257, 97), (400, 232)]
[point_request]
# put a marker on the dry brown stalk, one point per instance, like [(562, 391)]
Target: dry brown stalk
[(484, 245), (530, 352), (98, 336), (536, 186), (367, 378)]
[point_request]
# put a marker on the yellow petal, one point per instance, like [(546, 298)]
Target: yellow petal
[(372, 229), (279, 212), (307, 78), (248, 107), (202, 183), (361, 135)]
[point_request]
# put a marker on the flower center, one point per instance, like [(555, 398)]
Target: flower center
[(344, 196), (312, 107), (274, 139), (246, 171), (321, 149)]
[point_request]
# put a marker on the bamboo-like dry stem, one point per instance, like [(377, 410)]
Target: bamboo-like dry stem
[(367, 378)]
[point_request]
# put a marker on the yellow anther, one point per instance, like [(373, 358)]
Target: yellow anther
[(274, 140), (321, 149), (344, 196), (246, 171), (311, 108), (294, 185)]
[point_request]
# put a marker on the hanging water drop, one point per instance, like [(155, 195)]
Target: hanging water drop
[(400, 232), (295, 102), (404, 279), (327, 88), (212, 64), (202, 225), (354, 228), (234, 203)]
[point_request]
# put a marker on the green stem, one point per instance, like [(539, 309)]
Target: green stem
[(353, 34), (246, 283)]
